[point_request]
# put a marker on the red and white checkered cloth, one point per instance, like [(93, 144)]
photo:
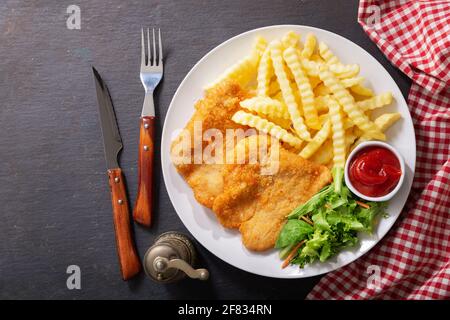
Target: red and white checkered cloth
[(414, 257)]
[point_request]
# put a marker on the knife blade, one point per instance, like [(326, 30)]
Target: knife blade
[(112, 142)]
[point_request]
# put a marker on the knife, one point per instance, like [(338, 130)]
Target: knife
[(128, 259)]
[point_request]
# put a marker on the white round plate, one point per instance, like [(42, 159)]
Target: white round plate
[(201, 222)]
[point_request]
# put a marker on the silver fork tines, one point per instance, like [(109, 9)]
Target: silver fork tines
[(151, 68), (148, 56)]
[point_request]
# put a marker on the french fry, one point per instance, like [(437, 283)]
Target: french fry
[(386, 120), (245, 69), (263, 125), (274, 88), (341, 71), (346, 100), (289, 74), (349, 82), (304, 87), (314, 81), (309, 46), (317, 141), (323, 117), (344, 70), (375, 102), (311, 67), (297, 98), (259, 47), (321, 103), (378, 101), (357, 131), (383, 122), (284, 123), (322, 90), (317, 58), (350, 138), (290, 39), (265, 72), (361, 90), (338, 136), (241, 72), (325, 153), (266, 106), (288, 96), (278, 96), (327, 55), (300, 88), (347, 123)]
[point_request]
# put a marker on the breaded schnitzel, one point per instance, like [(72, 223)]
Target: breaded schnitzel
[(239, 194), (258, 204), (214, 111)]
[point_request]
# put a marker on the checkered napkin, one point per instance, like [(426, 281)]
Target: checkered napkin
[(414, 257)]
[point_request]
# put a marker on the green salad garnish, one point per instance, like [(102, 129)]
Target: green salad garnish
[(327, 223)]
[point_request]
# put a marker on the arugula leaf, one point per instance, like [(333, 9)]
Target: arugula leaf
[(293, 232)]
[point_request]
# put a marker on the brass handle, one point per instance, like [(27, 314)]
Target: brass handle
[(161, 264)]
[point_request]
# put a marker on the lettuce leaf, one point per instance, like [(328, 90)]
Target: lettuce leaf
[(320, 222), (325, 253), (367, 216), (348, 221), (337, 218), (293, 232), (312, 204)]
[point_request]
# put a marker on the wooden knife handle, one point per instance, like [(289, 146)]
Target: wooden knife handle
[(130, 264), (142, 212)]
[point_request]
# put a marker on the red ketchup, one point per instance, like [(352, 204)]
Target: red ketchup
[(375, 171)]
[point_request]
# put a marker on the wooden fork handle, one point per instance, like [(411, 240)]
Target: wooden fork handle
[(130, 264), (142, 212)]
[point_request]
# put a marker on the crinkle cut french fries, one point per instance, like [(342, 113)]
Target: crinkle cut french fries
[(307, 98)]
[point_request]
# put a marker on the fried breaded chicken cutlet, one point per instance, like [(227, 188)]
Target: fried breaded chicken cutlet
[(239, 194), (214, 111), (258, 204)]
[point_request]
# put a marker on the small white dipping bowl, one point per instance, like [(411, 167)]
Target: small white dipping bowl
[(368, 144)]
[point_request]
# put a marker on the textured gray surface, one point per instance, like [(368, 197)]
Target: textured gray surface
[(55, 205)]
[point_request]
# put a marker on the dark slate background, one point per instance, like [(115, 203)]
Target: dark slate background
[(55, 205)]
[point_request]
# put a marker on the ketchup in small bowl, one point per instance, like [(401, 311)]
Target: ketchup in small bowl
[(374, 171)]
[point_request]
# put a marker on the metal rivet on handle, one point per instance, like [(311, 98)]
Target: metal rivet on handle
[(146, 148), (120, 201), (116, 179), (146, 125)]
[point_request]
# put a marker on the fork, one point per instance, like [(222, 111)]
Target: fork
[(151, 74)]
